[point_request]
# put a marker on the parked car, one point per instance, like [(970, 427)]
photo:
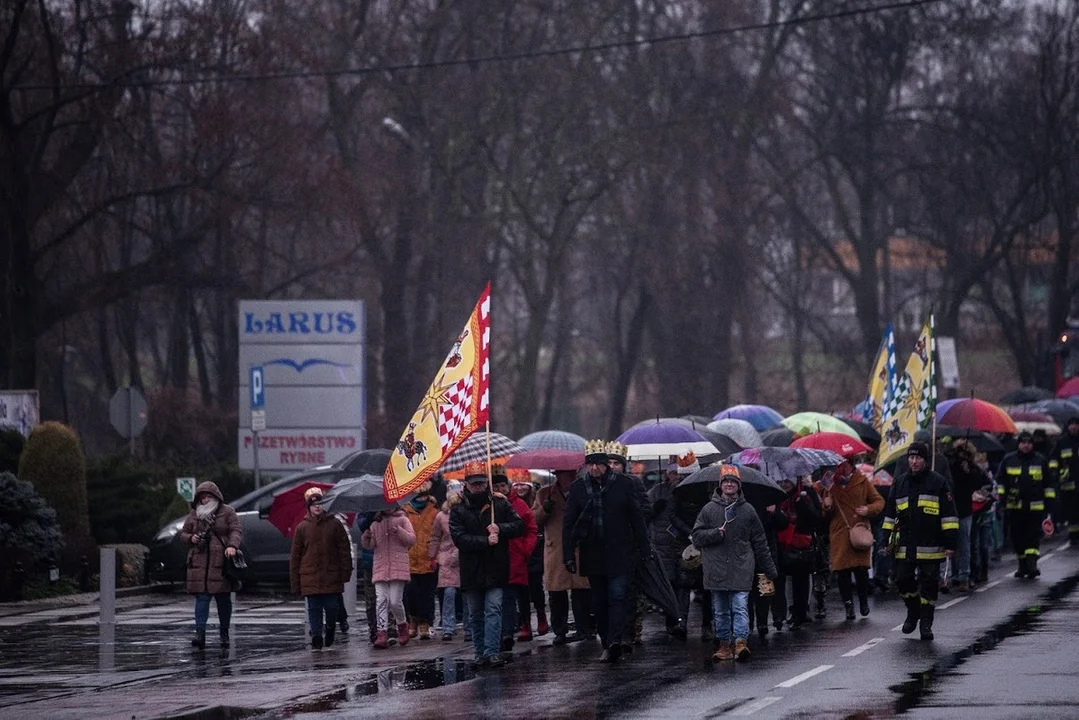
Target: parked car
[(266, 549)]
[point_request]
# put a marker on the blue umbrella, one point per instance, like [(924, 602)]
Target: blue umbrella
[(760, 417), (552, 440)]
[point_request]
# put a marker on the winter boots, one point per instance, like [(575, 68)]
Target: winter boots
[(316, 642), (413, 628), (382, 640), (848, 605), (863, 605), (424, 631), (331, 629), (403, 634), (1032, 567), (822, 611), (741, 649), (913, 612), (542, 628), (725, 652), (1021, 571), (199, 641), (927, 621), (225, 640)]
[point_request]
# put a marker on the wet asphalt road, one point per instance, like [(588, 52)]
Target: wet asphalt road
[(62, 668)]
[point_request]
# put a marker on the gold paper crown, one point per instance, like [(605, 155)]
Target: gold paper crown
[(617, 449), (498, 473), (474, 468), (687, 460), (595, 447)]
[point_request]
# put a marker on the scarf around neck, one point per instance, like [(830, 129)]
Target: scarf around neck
[(204, 511)]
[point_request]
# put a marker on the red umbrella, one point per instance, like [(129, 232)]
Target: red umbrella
[(289, 508), (547, 459), (978, 415), (1069, 389), (839, 443)]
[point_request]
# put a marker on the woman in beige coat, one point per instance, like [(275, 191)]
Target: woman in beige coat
[(850, 500), (549, 511)]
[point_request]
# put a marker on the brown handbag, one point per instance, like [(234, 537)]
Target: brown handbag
[(861, 535)]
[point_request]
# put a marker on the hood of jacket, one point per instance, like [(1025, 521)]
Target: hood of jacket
[(208, 487)]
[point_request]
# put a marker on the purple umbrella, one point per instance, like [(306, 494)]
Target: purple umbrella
[(665, 438), (760, 417)]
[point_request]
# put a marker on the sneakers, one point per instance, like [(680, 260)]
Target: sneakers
[(604, 657), (382, 640), (741, 649), (446, 637), (725, 652)]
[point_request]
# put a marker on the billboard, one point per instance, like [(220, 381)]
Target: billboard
[(19, 410), (312, 358)]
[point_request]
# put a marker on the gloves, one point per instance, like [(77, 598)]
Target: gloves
[(548, 505), (571, 567)]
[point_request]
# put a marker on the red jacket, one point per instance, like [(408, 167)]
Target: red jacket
[(521, 547)]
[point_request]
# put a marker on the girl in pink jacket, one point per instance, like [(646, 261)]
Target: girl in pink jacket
[(390, 536), (442, 550)]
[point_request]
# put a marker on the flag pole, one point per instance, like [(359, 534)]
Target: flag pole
[(490, 478)]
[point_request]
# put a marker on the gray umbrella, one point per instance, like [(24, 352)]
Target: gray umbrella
[(356, 495)]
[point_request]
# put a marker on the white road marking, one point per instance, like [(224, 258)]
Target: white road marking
[(985, 587), (1046, 556), (898, 627), (862, 648), (958, 600), (804, 676), (756, 705)]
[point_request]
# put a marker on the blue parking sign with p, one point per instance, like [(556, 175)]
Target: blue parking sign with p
[(258, 395)]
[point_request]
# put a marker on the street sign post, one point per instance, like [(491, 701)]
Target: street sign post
[(258, 415), (127, 412), (185, 486)]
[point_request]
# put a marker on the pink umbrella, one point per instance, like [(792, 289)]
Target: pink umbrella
[(547, 459)]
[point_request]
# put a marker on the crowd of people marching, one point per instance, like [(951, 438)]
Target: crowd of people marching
[(509, 561)]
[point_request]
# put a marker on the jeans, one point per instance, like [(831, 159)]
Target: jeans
[(316, 606), (485, 614), (202, 609), (449, 610), (510, 595), (730, 606), (962, 550), (388, 599), (609, 606)]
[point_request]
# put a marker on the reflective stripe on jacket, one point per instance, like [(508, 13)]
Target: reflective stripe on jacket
[(921, 510), (1026, 481)]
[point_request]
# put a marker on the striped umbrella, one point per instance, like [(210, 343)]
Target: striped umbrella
[(475, 448), (552, 440)]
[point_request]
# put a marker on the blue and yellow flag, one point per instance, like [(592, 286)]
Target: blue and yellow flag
[(915, 398), (881, 382)]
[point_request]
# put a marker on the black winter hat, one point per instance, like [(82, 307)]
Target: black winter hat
[(919, 448)]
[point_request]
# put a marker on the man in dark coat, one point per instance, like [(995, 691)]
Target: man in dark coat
[(604, 519), (669, 540), (968, 478), (483, 546), (1065, 462), (920, 515), (616, 459)]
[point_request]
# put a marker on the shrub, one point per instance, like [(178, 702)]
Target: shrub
[(54, 463), (27, 524), (177, 508), (11, 445), (126, 499)]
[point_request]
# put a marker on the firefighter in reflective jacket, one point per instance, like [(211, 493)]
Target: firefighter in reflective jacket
[(1065, 463), (921, 523), (1025, 483)]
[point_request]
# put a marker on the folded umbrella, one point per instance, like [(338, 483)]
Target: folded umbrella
[(652, 580), (356, 495)]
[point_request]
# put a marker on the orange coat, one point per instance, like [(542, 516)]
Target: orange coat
[(859, 491), (423, 522)]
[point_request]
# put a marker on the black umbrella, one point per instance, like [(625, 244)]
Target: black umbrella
[(866, 432), (759, 489), (366, 462), (1026, 394), (778, 437), (698, 419), (982, 441), (652, 580), (1059, 410), (356, 495)]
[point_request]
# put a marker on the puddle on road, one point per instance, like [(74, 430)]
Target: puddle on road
[(921, 685)]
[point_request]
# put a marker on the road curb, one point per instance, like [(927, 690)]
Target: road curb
[(25, 607)]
